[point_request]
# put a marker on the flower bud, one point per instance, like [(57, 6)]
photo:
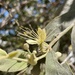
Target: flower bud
[(26, 46), (28, 56), (34, 52), (58, 54)]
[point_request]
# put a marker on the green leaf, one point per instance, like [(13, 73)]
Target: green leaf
[(10, 65), (18, 67), (53, 28), (53, 67), (2, 52), (12, 54)]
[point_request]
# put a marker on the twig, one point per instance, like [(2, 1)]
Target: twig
[(20, 59)]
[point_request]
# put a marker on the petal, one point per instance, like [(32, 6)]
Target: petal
[(31, 41)]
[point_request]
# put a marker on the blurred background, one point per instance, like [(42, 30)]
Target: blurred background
[(16, 13)]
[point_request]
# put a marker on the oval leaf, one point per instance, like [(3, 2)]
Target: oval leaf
[(10, 65), (12, 54), (52, 29), (53, 67), (2, 52)]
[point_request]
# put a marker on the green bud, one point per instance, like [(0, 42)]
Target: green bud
[(58, 54), (26, 46), (34, 52)]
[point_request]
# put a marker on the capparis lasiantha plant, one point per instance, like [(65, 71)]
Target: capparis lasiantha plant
[(31, 38), (20, 59), (34, 38)]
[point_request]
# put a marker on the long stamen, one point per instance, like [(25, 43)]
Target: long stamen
[(33, 30), (29, 32), (26, 35)]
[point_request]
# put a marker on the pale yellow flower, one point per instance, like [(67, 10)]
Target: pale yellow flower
[(40, 37)]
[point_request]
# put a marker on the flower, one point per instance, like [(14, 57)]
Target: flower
[(40, 37), (35, 37)]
